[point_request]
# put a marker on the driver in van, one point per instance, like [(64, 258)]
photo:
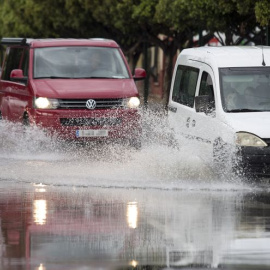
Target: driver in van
[(231, 98), (250, 98), (231, 101), (97, 62)]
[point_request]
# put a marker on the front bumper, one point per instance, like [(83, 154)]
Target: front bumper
[(255, 160), (119, 123)]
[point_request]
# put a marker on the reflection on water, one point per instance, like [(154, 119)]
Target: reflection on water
[(40, 211), (41, 267), (132, 214), (40, 187), (101, 228)]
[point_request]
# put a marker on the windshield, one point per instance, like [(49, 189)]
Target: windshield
[(245, 89), (79, 62)]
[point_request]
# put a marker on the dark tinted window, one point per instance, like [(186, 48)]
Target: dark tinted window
[(12, 61), (185, 85), (206, 88)]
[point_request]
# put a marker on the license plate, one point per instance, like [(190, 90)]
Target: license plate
[(91, 133)]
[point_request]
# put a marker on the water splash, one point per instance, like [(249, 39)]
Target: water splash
[(165, 160)]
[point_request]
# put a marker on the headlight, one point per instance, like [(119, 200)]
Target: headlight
[(131, 103), (46, 103), (247, 139)]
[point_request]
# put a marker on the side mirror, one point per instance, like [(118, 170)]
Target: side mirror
[(204, 104), (140, 74), (16, 75)]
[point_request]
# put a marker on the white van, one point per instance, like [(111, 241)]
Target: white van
[(220, 99)]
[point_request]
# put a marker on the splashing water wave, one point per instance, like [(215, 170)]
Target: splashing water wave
[(164, 162)]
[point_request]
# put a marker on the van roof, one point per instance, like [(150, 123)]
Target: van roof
[(230, 56), (55, 42)]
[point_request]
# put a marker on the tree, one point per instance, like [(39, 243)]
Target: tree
[(262, 11), (146, 21), (38, 18), (172, 24), (234, 19)]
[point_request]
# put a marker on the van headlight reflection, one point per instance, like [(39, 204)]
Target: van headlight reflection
[(40, 212), (46, 103), (40, 187), (132, 215), (248, 139)]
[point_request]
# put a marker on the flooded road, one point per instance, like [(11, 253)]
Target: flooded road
[(112, 207), (48, 227)]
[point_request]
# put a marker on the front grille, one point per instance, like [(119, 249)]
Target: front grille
[(112, 103), (90, 121)]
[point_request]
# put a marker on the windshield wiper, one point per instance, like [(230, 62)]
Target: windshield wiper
[(95, 77), (54, 77), (245, 110), (60, 77), (90, 77)]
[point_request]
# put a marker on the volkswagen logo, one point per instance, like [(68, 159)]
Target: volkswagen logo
[(91, 104)]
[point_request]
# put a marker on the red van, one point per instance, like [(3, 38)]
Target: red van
[(77, 88)]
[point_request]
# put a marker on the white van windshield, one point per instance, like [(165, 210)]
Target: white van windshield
[(79, 62), (245, 89)]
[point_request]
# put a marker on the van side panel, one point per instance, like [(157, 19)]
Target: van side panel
[(14, 101), (15, 96)]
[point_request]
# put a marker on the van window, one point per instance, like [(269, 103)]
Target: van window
[(185, 85), (206, 88), (12, 61), (79, 62), (245, 89)]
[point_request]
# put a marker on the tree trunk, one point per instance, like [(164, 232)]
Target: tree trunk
[(228, 37), (169, 54)]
